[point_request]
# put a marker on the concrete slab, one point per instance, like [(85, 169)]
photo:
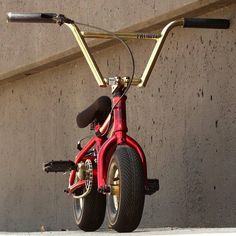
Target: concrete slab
[(139, 232)]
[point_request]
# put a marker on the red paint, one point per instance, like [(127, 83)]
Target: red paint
[(77, 185), (106, 147), (101, 162)]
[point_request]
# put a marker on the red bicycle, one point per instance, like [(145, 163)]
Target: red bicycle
[(110, 173)]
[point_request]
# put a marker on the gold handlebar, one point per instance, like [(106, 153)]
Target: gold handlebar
[(140, 82), (80, 38)]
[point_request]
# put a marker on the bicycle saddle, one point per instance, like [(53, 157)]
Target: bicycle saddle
[(98, 112)]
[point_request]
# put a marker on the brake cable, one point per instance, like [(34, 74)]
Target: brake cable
[(132, 63)]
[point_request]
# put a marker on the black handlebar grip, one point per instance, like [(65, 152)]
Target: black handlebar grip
[(32, 17), (206, 23)]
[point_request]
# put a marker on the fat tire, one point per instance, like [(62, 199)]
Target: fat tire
[(90, 216), (131, 196)]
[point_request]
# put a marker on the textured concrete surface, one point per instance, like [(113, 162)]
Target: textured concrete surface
[(40, 41), (184, 120), (140, 232)]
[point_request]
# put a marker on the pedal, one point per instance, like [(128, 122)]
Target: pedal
[(152, 186), (59, 166)]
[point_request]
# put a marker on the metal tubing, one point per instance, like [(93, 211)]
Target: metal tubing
[(88, 56), (75, 186), (99, 35), (79, 157), (133, 144), (156, 51), (103, 155)]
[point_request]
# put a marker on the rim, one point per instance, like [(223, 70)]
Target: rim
[(78, 203), (114, 196), (116, 184), (78, 207)]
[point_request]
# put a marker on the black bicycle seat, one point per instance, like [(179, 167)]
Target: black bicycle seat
[(97, 111)]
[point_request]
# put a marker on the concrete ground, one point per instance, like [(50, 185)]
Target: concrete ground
[(139, 232)]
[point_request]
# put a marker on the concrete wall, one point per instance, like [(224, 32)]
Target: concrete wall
[(184, 119)]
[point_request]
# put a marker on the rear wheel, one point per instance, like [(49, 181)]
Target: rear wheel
[(89, 211), (126, 180)]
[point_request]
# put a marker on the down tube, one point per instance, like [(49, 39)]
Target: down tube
[(132, 143)]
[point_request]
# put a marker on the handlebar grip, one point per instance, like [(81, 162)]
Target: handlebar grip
[(206, 23), (32, 17)]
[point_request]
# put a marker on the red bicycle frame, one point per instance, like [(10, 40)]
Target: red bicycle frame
[(105, 147)]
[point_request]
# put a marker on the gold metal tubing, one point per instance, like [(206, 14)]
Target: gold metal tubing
[(88, 56), (135, 81), (156, 51), (149, 36)]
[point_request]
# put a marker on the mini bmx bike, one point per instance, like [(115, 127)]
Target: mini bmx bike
[(109, 174)]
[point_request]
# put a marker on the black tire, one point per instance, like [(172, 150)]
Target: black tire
[(89, 212), (125, 203)]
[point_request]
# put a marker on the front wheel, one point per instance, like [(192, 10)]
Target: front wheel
[(126, 180)]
